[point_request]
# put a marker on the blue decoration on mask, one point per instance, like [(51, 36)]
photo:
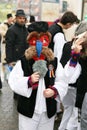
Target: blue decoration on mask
[(39, 48)]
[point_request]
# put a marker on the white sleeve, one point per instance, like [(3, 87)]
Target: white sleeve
[(18, 82), (59, 41), (64, 76)]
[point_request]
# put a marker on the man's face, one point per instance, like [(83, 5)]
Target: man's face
[(21, 20)]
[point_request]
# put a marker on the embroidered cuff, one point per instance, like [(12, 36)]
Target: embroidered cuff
[(74, 58), (30, 84), (55, 91), (35, 85)]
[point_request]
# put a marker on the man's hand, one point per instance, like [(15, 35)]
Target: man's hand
[(35, 77), (79, 42), (11, 64), (77, 45), (48, 93)]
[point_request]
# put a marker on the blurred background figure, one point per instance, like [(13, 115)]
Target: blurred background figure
[(0, 84), (3, 29), (5, 25), (9, 20), (31, 20), (0, 65)]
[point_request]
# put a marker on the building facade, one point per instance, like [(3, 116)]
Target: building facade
[(47, 10)]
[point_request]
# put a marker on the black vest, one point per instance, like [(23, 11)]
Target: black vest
[(26, 106), (53, 29), (66, 55)]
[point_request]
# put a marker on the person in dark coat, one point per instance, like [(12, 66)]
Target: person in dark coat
[(16, 39)]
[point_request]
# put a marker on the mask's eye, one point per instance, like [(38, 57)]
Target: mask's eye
[(44, 39), (32, 41), (32, 38)]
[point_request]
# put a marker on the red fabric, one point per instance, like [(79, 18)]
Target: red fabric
[(42, 57), (30, 84), (50, 23)]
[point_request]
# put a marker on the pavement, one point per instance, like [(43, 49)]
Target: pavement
[(8, 112)]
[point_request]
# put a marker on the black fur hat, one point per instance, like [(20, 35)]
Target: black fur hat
[(39, 26)]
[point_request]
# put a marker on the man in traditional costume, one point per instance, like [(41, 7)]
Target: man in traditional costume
[(40, 80)]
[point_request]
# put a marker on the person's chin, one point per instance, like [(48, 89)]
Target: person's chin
[(22, 24)]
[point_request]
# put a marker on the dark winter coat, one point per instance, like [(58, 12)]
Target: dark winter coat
[(15, 42)]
